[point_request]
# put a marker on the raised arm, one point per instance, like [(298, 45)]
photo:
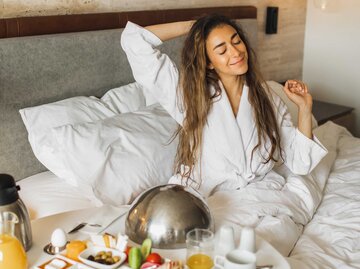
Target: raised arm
[(171, 30), (301, 153), (151, 68), (298, 93)]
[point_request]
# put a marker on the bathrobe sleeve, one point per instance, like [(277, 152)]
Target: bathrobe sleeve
[(301, 154), (152, 69)]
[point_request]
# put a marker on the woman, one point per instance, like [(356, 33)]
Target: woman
[(233, 130)]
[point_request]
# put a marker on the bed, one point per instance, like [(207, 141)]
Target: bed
[(87, 135)]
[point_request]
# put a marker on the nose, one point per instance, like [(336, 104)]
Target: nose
[(234, 51)]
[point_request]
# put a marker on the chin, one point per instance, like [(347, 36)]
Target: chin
[(241, 71)]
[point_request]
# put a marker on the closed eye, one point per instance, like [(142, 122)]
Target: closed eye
[(235, 40)]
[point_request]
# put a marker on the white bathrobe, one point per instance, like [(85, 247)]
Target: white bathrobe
[(227, 140)]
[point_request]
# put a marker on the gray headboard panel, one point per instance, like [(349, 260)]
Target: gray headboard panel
[(41, 69)]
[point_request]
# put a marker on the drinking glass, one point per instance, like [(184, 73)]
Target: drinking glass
[(199, 249), (12, 253)]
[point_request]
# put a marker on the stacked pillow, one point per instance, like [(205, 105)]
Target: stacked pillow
[(116, 146)]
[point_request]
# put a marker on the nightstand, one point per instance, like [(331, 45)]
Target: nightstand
[(341, 115)]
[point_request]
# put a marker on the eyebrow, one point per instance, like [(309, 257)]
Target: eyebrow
[(223, 43)]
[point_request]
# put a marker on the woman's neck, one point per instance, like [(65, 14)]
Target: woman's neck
[(234, 86)]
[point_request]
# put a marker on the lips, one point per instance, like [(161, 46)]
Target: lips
[(240, 61)]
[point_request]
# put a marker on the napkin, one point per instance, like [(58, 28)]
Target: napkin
[(102, 218)]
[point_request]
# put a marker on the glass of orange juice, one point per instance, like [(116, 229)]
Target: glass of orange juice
[(199, 249), (12, 253)]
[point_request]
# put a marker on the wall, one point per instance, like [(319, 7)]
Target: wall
[(332, 54), (280, 55)]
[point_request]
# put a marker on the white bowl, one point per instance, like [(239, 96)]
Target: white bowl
[(94, 250)]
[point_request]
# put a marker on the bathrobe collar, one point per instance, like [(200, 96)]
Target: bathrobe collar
[(231, 135), (246, 120)]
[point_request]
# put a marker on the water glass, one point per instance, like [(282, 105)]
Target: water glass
[(199, 249)]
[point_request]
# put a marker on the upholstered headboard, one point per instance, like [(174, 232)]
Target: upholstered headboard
[(46, 59)]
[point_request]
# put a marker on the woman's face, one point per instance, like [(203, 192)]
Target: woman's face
[(226, 52)]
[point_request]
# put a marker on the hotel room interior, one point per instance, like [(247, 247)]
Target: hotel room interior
[(64, 76)]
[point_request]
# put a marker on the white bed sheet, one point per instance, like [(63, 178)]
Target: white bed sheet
[(45, 194), (332, 238)]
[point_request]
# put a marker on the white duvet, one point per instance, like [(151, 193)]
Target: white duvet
[(313, 220), (280, 206)]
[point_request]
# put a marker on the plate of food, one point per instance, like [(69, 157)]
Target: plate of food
[(102, 257)]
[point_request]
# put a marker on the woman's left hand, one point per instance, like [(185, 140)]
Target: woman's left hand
[(297, 92)]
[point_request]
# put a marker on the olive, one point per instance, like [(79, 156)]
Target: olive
[(91, 258), (109, 261)]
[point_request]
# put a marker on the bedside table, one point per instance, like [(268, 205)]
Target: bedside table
[(341, 115)]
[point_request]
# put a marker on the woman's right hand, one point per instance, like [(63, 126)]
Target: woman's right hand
[(170, 30)]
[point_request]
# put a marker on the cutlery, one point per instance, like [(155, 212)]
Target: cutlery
[(264, 266), (82, 225)]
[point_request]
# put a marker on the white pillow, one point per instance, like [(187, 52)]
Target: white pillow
[(293, 109), (39, 120), (45, 194), (119, 157), (128, 98)]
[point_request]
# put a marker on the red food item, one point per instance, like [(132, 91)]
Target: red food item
[(149, 265), (127, 250), (154, 258)]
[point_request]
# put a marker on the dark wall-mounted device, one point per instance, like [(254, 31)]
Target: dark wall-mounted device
[(271, 20)]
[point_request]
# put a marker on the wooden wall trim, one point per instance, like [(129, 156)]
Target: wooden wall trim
[(29, 26)]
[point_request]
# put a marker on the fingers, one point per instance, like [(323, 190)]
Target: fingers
[(296, 86)]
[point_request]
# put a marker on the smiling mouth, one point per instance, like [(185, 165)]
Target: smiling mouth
[(239, 61)]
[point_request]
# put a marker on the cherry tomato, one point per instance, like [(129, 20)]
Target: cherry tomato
[(154, 258)]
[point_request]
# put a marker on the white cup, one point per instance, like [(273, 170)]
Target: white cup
[(236, 259), (225, 240), (247, 239)]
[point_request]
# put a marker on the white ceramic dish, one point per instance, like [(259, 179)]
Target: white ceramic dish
[(94, 250)]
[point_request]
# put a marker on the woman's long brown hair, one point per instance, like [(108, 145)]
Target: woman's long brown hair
[(197, 99)]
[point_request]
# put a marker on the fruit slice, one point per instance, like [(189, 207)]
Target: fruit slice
[(149, 265), (146, 248), (135, 258)]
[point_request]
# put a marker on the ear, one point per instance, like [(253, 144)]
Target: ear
[(210, 66)]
